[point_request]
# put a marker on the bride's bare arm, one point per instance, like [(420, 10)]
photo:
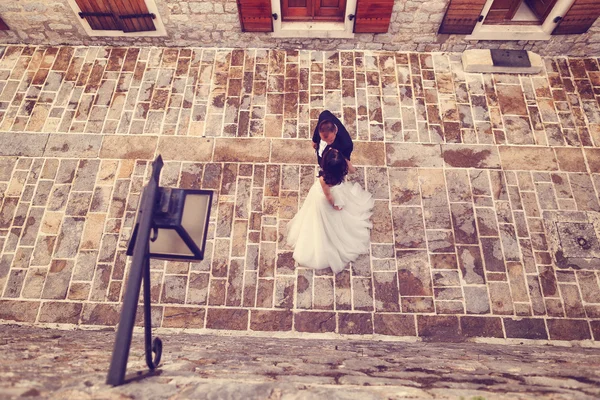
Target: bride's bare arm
[(327, 192)]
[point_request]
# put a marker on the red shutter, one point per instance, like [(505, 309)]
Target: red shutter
[(134, 15), (579, 18), (98, 14), (330, 10), (461, 16), (541, 8), (296, 10), (3, 26), (117, 15), (502, 10), (255, 15), (373, 16)]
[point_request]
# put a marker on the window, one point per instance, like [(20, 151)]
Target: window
[(518, 19), (119, 17), (315, 18)]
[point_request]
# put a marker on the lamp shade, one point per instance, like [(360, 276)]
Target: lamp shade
[(179, 224)]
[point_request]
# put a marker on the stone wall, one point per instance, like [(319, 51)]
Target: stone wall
[(73, 364), (215, 23)]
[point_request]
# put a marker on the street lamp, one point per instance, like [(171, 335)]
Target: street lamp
[(171, 224)]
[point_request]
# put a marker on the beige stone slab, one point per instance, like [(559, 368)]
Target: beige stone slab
[(480, 60), (528, 158), (179, 148), (128, 147), (368, 153), (593, 159), (22, 144), (242, 150), (292, 151), (470, 156), (73, 145), (408, 155), (570, 159)]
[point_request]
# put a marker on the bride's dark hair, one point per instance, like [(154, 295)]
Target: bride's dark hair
[(335, 167)]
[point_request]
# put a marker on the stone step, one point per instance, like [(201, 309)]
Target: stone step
[(480, 60)]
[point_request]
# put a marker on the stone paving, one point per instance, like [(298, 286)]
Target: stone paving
[(470, 172), (52, 364)]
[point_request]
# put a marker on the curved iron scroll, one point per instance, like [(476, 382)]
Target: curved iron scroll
[(152, 346)]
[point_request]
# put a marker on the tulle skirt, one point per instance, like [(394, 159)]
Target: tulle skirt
[(325, 237)]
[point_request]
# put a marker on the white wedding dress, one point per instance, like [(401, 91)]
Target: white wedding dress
[(325, 237)]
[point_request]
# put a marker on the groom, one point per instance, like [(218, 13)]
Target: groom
[(331, 133)]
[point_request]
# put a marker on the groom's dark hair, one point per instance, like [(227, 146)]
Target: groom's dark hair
[(327, 127)]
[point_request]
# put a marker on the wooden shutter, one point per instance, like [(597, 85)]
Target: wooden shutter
[(134, 15), (373, 16), (461, 16), (3, 26), (330, 10), (541, 8), (117, 15), (255, 15), (99, 15), (502, 10), (296, 10), (580, 17)]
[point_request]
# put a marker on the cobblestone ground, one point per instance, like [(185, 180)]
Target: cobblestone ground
[(470, 174), (45, 363)]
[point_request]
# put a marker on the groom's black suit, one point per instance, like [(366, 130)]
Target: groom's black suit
[(342, 142)]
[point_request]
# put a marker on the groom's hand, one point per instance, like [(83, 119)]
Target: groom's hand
[(314, 145), (351, 168)]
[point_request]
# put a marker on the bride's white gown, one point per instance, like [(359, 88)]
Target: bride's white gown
[(324, 237)]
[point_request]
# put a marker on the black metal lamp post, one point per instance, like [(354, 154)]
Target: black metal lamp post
[(171, 224)]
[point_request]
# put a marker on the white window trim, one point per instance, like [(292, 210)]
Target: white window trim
[(158, 24), (519, 32), (316, 29)]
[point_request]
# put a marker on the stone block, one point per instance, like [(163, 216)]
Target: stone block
[(185, 148), (231, 319), (73, 145), (409, 155), (368, 153), (183, 317), (19, 311), (527, 158), (292, 151), (395, 324), (129, 147), (270, 320), (23, 144), (242, 150), (438, 328), (481, 327), (315, 322), (470, 156), (60, 312), (525, 328)]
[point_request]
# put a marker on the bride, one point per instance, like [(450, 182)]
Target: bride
[(332, 228)]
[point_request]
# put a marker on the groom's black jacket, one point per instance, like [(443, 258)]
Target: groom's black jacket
[(342, 142)]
